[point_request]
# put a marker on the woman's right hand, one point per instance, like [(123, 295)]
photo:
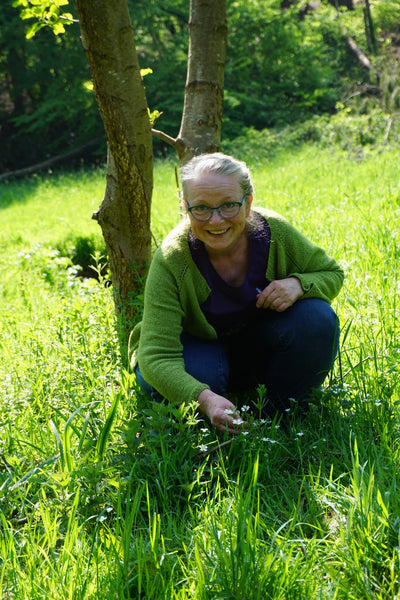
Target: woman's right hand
[(221, 412)]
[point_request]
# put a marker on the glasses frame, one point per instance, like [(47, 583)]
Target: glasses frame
[(218, 209)]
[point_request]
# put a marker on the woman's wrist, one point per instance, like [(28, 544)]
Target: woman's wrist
[(203, 398)]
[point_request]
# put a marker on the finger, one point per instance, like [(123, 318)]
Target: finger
[(264, 300)]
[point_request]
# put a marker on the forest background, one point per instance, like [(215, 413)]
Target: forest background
[(288, 63)]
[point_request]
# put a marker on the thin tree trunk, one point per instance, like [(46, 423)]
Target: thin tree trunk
[(124, 215), (364, 60), (369, 28), (201, 124)]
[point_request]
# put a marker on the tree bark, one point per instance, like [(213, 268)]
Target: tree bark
[(124, 215), (201, 123), (364, 60)]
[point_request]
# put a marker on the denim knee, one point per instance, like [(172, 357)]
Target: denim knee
[(205, 360)]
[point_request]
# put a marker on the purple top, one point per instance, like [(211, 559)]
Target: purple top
[(228, 307)]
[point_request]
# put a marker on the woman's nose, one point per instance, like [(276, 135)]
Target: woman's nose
[(216, 217)]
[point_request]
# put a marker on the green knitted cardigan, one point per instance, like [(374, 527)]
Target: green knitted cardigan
[(175, 289)]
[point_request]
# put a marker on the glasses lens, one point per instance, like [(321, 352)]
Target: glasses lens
[(201, 213), (230, 209)]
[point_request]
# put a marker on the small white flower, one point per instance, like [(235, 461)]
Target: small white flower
[(237, 421), (245, 408), (229, 411), (203, 448), (300, 433), (378, 403), (245, 432)]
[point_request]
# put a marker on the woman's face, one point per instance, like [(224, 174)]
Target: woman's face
[(219, 235)]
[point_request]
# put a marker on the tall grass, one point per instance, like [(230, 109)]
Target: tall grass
[(103, 494)]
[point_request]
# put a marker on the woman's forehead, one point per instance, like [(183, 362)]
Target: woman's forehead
[(213, 184)]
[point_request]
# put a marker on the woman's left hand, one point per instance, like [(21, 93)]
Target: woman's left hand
[(280, 294)]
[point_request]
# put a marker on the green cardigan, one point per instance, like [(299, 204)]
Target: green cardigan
[(175, 289)]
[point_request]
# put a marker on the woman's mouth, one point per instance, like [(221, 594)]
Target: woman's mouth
[(218, 232)]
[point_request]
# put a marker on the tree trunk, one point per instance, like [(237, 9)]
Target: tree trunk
[(201, 123), (124, 215), (369, 28)]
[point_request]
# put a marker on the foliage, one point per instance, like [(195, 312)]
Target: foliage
[(47, 106), (284, 65), (357, 134), (46, 14), (280, 68), (104, 494)]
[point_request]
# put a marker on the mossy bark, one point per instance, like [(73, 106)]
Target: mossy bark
[(124, 215)]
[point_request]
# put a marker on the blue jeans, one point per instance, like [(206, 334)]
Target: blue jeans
[(289, 352)]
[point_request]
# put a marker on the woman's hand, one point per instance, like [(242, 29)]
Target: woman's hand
[(221, 412), (280, 294)]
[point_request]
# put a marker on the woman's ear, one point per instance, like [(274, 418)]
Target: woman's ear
[(249, 200)]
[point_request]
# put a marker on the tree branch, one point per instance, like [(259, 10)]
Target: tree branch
[(49, 162), (164, 137), (364, 60)]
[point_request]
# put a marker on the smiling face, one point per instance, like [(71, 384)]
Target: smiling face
[(219, 235)]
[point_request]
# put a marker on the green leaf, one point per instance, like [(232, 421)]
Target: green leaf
[(58, 28), (33, 29), (144, 72), (105, 432)]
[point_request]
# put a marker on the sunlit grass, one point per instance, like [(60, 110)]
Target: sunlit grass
[(104, 495)]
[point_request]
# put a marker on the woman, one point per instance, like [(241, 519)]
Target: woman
[(235, 297)]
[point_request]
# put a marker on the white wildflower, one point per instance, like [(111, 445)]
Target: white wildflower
[(245, 408), (237, 421), (229, 411), (203, 448)]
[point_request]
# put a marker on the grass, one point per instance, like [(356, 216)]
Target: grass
[(104, 495)]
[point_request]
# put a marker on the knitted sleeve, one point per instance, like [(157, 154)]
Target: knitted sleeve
[(159, 352), (293, 255)]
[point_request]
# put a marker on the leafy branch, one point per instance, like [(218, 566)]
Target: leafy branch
[(47, 13)]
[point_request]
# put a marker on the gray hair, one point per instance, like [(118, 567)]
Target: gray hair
[(218, 164)]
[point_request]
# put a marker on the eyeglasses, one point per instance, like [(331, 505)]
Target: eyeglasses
[(227, 210)]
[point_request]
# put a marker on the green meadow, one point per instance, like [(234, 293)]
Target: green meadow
[(106, 495)]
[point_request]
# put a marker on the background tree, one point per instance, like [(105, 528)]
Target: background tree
[(124, 215), (47, 106), (201, 123), (109, 45)]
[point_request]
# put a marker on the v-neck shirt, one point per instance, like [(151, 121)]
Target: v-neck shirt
[(228, 308)]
